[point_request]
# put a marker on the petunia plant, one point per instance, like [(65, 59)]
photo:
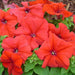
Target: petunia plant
[(37, 39)]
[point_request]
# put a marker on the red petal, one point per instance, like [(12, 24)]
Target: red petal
[(46, 60), (63, 61)]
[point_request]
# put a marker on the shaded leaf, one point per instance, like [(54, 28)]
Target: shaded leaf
[(1, 68), (55, 71), (29, 66), (63, 71), (41, 71), (28, 73)]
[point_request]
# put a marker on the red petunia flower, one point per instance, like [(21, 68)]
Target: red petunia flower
[(7, 23), (74, 19), (35, 30), (72, 40), (55, 52), (18, 45), (40, 2), (56, 9), (26, 10), (13, 62), (63, 33), (74, 22)]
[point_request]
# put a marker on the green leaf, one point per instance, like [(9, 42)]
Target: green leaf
[(34, 59), (70, 73), (72, 65), (6, 71), (29, 66), (57, 26), (16, 26), (63, 71), (36, 49), (1, 68), (0, 54), (55, 71), (65, 74), (39, 62), (41, 71), (2, 37), (73, 74), (6, 9), (72, 60), (29, 73), (1, 49), (69, 23), (72, 69)]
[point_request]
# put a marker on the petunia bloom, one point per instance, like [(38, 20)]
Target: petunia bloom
[(40, 2), (72, 40), (56, 9), (74, 19), (35, 30), (13, 62), (7, 23), (74, 22), (55, 52), (35, 10), (18, 45), (62, 31)]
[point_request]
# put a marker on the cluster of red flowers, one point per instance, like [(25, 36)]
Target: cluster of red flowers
[(27, 29)]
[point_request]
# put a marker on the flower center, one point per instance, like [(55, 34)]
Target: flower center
[(58, 11), (33, 35), (27, 10), (15, 50), (59, 36), (4, 21), (53, 52)]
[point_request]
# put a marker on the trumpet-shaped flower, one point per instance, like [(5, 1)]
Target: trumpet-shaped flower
[(18, 45), (26, 10), (56, 9), (55, 52), (35, 30), (13, 62), (7, 23), (63, 33), (40, 2)]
